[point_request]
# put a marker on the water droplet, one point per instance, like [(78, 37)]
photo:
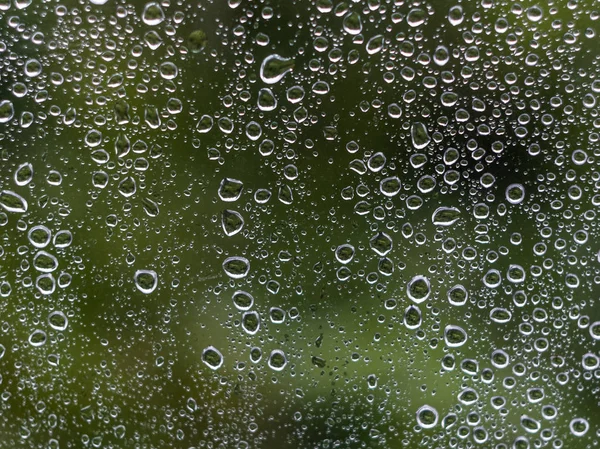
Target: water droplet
[(58, 321), (266, 100), (146, 281), (445, 216), (427, 417), (37, 338), (274, 68), (7, 111), (153, 14), (418, 289), (230, 189), (212, 358), (277, 360), (419, 135), (232, 222), (24, 174), (242, 300), (375, 44), (352, 23), (197, 41), (515, 193), (344, 253), (251, 322), (12, 202), (412, 317), (457, 295), (45, 262), (456, 15), (579, 426), (454, 336), (236, 267), (39, 236)]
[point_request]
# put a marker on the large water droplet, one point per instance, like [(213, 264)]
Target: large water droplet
[(236, 267), (212, 358), (153, 14), (445, 216), (274, 68), (146, 281), (12, 202), (418, 289), (419, 135), (427, 417)]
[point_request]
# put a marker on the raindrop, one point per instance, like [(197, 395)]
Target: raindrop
[(146, 281), (274, 68), (212, 358), (236, 267)]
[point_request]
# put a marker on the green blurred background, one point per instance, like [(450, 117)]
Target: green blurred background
[(128, 370)]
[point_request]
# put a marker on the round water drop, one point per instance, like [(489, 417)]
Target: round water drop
[(579, 426), (242, 300), (12, 202), (212, 358), (205, 124), (168, 70), (33, 68), (153, 14), (58, 320), (390, 186), (37, 338), (418, 289), (500, 359), (427, 417), (515, 193), (274, 68), (197, 41), (253, 131), (39, 236), (45, 262), (232, 222), (455, 336), (7, 111), (266, 100), (146, 281), (127, 187), (456, 15), (352, 23), (468, 396), (93, 138), (441, 55), (344, 253), (230, 189), (595, 330), (515, 274), (45, 284), (236, 267), (24, 174), (492, 278), (445, 216), (376, 162), (251, 322), (535, 13), (416, 17), (98, 2), (277, 360), (394, 111)]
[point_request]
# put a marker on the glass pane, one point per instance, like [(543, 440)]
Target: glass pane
[(299, 224)]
